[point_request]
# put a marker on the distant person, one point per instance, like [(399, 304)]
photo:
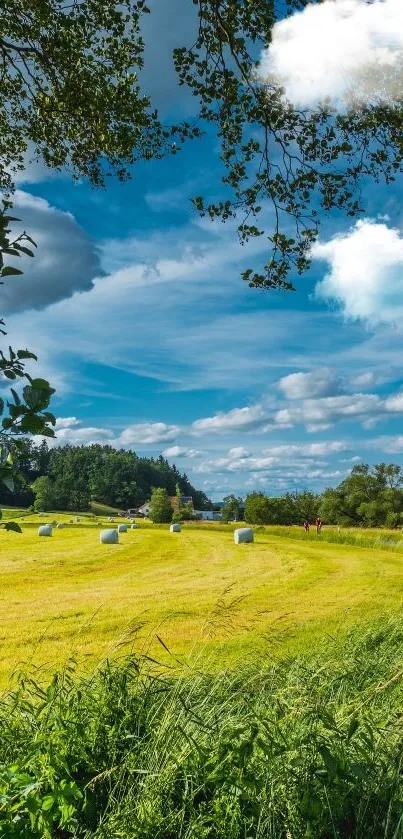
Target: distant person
[(318, 524), (306, 526)]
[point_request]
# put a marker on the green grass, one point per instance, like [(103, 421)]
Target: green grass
[(200, 593), (104, 509), (306, 747)]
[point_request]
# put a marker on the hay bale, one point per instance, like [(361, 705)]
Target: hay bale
[(175, 528), (109, 537), (243, 535), (71, 521), (122, 528), (78, 518), (45, 530), (60, 526), (134, 526), (54, 522)]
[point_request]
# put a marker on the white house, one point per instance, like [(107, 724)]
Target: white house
[(145, 509), (208, 515)]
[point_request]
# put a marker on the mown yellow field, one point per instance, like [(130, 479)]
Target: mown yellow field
[(202, 595)]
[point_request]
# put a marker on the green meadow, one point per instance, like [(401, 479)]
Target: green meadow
[(196, 592), (177, 686)]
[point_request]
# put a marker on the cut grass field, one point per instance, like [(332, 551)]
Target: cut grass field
[(199, 593)]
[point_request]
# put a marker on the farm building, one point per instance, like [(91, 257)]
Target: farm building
[(185, 499), (145, 509), (208, 515)]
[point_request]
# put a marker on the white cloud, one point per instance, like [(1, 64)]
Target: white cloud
[(320, 382), (348, 50), (66, 422), (147, 433), (180, 451), (308, 449), (389, 445), (321, 413), (238, 418), (364, 380), (366, 272), (394, 404), (84, 436)]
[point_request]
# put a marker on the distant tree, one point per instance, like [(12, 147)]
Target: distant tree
[(43, 491), (303, 505), (257, 508), (368, 497), (230, 510), (161, 509)]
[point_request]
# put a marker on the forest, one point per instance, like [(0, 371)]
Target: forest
[(70, 477)]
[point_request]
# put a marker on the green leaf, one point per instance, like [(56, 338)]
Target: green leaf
[(330, 762), (24, 250), (26, 354), (12, 525), (9, 271), (354, 724), (48, 802)]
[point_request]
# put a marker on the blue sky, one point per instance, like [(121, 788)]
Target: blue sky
[(136, 309)]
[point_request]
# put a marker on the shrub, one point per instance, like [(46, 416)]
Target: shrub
[(161, 510)]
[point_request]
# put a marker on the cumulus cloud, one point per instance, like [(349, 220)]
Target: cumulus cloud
[(321, 382), (321, 413), (180, 451), (348, 50), (66, 260), (66, 422), (147, 433), (71, 430), (309, 450), (366, 272), (82, 436), (299, 461), (315, 414), (389, 445), (238, 418), (364, 380)]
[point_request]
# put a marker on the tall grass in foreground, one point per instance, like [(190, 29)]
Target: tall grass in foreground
[(309, 747), (375, 538)]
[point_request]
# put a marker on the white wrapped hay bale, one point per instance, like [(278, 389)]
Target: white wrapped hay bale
[(122, 528), (109, 537), (175, 528), (60, 526), (134, 526), (45, 530), (243, 535)]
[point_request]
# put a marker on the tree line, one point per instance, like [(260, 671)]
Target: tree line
[(70, 477), (368, 497)]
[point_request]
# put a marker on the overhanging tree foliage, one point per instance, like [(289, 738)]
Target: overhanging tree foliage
[(70, 95), (284, 167)]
